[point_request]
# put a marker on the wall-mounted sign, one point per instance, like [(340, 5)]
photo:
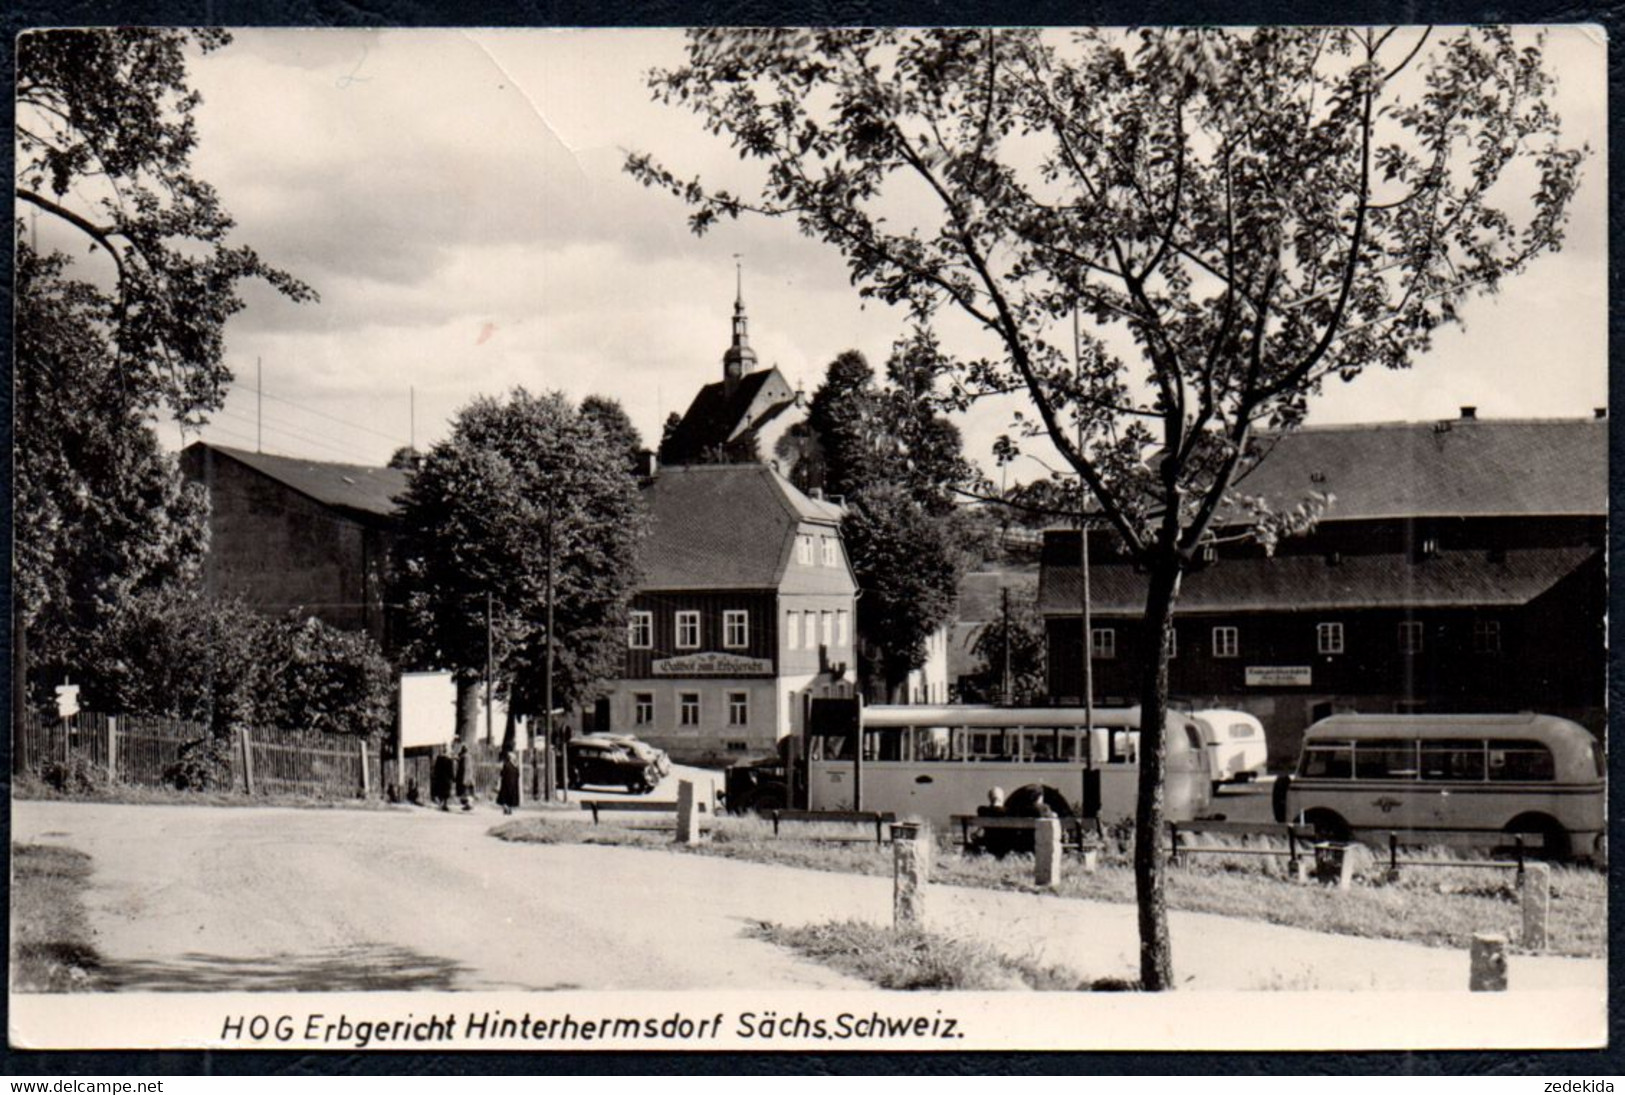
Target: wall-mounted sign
[(1278, 676), (712, 664)]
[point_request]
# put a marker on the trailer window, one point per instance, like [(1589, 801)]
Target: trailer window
[(932, 743), (1521, 760), (1385, 759), (1331, 761), (1453, 760)]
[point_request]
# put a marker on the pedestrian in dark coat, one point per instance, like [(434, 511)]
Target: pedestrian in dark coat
[(508, 786), (464, 788), (440, 777)]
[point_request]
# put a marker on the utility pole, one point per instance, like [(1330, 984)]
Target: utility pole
[(412, 418), (259, 404), (551, 773), (1083, 556), (490, 662), (1004, 598)]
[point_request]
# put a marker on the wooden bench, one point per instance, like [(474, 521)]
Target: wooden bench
[(1496, 842), (630, 806), (1072, 828), (847, 817), (1294, 835)]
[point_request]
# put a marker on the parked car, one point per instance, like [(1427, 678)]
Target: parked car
[(645, 752), (605, 763)]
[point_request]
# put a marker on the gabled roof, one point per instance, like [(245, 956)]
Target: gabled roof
[(356, 487), (1311, 582), (723, 526), (718, 416), (980, 598), (1463, 467)]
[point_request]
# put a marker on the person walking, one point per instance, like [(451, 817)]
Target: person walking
[(441, 773), (465, 790), (508, 784)]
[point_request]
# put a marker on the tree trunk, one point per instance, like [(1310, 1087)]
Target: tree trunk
[(19, 684), (509, 731), (1156, 956), (470, 709)]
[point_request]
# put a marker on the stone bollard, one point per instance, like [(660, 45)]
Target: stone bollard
[(688, 818), (911, 870), (1333, 864), (1489, 964), (1537, 904), (1089, 860), (1047, 853)]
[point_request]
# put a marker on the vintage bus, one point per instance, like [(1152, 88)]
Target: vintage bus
[(933, 762), (1439, 778)]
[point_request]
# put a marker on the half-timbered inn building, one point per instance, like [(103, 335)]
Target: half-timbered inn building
[(1458, 568), (745, 610)]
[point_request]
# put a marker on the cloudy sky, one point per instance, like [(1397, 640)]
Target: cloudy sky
[(458, 200)]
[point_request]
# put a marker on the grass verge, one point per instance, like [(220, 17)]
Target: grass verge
[(50, 936), (920, 960), (31, 787), (1434, 906)]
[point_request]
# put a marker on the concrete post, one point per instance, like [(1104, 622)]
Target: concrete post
[(1333, 864), (366, 776), (1489, 964), (248, 760), (1537, 904), (1047, 853), (112, 749), (911, 870), (1089, 860), (688, 821)]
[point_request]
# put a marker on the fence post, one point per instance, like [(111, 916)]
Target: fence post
[(248, 760), (112, 748), (1489, 964), (688, 822), (1393, 857), (366, 782), (1537, 903), (1047, 853), (911, 870)]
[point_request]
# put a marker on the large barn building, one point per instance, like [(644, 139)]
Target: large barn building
[(1459, 568)]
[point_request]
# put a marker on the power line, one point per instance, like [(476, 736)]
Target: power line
[(320, 414), (308, 438)]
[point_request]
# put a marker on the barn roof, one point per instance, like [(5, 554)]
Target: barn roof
[(357, 487)]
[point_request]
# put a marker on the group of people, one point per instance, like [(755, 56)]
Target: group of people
[(448, 777)]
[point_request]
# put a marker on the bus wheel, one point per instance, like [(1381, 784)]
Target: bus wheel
[(1550, 840), (1278, 796), (1327, 826)]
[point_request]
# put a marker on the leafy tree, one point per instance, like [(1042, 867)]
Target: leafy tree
[(1018, 638), (522, 488), (612, 418), (104, 137), (1235, 218), (897, 462), (405, 458), (673, 420)]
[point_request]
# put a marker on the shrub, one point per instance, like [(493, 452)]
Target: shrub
[(76, 776), (203, 765)]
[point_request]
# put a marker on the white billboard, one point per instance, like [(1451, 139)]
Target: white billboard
[(428, 709)]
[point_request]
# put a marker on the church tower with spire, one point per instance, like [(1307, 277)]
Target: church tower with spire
[(739, 358)]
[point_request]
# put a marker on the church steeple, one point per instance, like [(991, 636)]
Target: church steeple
[(739, 358)]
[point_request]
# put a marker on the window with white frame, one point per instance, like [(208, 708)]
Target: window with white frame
[(688, 709), (735, 629), (738, 708), (792, 630), (640, 630), (1103, 643), (1410, 637), (804, 550), (827, 632), (843, 627), (688, 631), (810, 631), (643, 708), (832, 556), (1486, 636), (1329, 638), (1226, 642)]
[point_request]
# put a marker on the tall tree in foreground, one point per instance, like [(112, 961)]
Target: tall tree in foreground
[(1236, 217), (527, 493), (126, 276)]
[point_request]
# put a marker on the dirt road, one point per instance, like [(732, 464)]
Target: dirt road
[(203, 899)]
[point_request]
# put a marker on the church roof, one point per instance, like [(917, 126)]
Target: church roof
[(721, 413)]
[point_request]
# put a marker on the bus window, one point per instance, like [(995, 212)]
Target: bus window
[(1125, 747), (1038, 745), (1329, 761), (1071, 744), (1452, 760), (932, 743), (883, 744), (1385, 759), (829, 747), (1521, 760), (987, 745)]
